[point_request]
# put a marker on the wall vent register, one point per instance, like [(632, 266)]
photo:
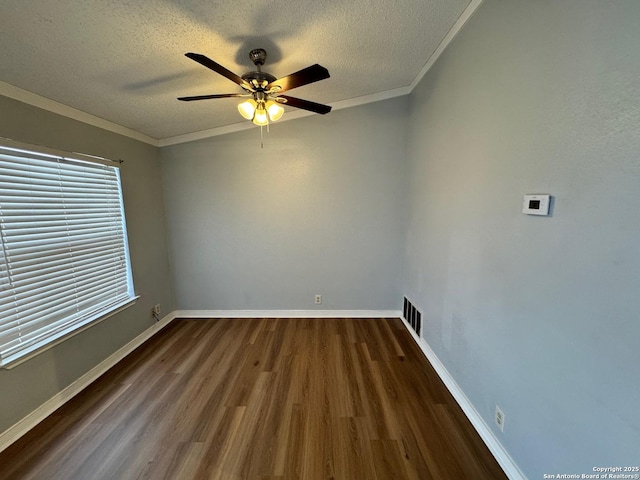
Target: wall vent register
[(412, 315)]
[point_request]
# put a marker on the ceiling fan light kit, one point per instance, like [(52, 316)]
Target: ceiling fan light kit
[(263, 89), (260, 111)]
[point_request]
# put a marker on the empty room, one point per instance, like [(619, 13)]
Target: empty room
[(322, 240)]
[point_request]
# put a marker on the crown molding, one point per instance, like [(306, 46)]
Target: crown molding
[(348, 103), (238, 127), (448, 38), (24, 96)]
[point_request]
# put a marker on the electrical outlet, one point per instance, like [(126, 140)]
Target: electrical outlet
[(318, 299), (156, 309), (499, 418)]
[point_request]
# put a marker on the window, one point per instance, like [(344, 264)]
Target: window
[(64, 260)]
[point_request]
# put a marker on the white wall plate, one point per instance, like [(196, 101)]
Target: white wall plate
[(536, 204)]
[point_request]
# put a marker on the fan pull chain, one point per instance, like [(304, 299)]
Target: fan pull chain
[(261, 138)]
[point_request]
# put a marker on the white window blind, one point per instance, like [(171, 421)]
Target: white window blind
[(64, 258)]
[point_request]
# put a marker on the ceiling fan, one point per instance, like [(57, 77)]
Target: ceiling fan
[(263, 89)]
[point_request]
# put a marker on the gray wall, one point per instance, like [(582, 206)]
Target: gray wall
[(318, 210), (538, 315), (32, 383)]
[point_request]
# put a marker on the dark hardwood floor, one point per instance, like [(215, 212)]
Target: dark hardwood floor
[(266, 399)]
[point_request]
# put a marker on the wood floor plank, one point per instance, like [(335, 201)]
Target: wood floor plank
[(388, 459), (277, 399)]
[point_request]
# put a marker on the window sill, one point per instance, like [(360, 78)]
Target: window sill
[(16, 359)]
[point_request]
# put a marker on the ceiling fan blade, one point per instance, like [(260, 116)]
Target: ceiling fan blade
[(306, 104), (207, 97), (216, 67), (305, 76)]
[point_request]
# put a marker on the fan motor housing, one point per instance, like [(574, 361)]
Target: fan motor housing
[(259, 79)]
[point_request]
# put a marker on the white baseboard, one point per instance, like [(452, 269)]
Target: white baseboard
[(493, 444), (11, 435), (287, 313), (43, 411)]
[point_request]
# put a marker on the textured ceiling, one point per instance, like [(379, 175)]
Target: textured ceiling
[(123, 60)]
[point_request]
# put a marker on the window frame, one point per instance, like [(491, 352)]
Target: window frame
[(59, 331)]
